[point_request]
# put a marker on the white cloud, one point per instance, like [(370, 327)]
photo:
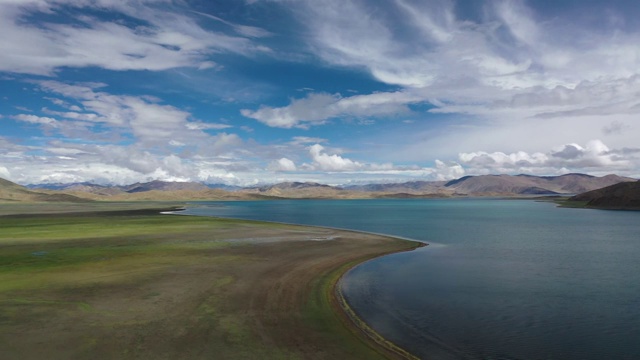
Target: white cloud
[(65, 151), (4, 173), (206, 126), (325, 162), (282, 164), (146, 119), (447, 171), (113, 164), (121, 139), (336, 164), (511, 82), (169, 40), (173, 165), (77, 114), (505, 71), (311, 110), (316, 109), (594, 157), (301, 140), (248, 31), (33, 119)]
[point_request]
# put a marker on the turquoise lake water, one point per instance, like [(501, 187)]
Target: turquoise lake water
[(500, 279)]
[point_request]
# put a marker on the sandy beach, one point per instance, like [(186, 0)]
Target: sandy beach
[(137, 284)]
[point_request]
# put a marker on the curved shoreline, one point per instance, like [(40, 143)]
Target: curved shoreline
[(178, 211), (273, 298), (360, 324), (357, 326)]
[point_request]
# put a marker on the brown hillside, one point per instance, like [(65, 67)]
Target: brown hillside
[(619, 196), (12, 192), (527, 184)]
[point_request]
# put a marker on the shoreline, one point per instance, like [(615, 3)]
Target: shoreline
[(177, 212), (357, 325), (281, 288)]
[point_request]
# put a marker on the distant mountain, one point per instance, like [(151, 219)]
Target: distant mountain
[(624, 196), (299, 190), (13, 192), (224, 187), (483, 185), (407, 188), (86, 188), (531, 185), (164, 186), (55, 186), (294, 186), (179, 195)]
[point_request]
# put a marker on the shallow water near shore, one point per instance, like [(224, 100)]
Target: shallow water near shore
[(501, 279)]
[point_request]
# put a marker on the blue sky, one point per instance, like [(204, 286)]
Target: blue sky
[(339, 92)]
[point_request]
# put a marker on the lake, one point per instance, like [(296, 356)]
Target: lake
[(500, 279)]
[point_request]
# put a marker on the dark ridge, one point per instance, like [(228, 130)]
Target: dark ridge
[(621, 196), (567, 175), (62, 186), (457, 181)]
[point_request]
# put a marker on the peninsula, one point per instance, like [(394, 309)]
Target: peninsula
[(104, 282)]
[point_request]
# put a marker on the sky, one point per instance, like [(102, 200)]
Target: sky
[(333, 91)]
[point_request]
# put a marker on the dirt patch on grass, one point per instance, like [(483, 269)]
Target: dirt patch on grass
[(187, 288)]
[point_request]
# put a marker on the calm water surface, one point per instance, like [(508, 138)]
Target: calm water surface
[(501, 279)]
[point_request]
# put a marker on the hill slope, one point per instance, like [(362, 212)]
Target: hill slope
[(530, 185), (11, 192), (624, 196), (299, 190)]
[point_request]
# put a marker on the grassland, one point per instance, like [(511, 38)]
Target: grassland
[(113, 282)]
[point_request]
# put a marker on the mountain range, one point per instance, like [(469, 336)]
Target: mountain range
[(532, 185), (482, 185), (12, 192)]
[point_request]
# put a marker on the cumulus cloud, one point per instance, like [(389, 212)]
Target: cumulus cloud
[(329, 167), (144, 117), (595, 156), (120, 139), (4, 173), (62, 162), (447, 171), (311, 110), (325, 162), (282, 164)]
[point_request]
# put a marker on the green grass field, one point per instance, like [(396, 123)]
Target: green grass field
[(136, 284)]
